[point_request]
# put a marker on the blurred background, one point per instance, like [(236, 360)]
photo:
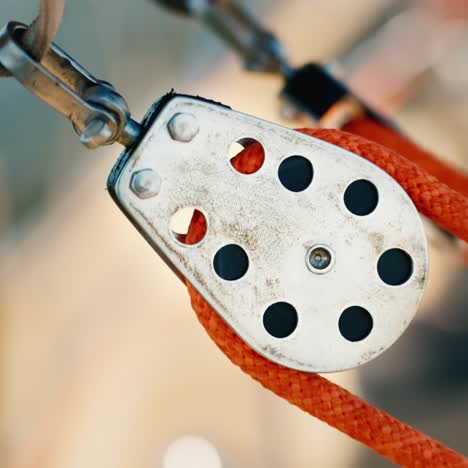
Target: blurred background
[(103, 363)]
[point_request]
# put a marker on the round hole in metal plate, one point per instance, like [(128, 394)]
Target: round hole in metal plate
[(355, 323), (361, 197), (296, 173), (246, 155), (181, 221), (395, 267), (231, 262), (280, 319)]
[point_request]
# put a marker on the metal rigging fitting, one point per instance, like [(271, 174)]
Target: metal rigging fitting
[(317, 260), (98, 113), (258, 47), (310, 89)]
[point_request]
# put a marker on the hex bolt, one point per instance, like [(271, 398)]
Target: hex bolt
[(145, 183), (320, 258), (183, 127), (96, 133)]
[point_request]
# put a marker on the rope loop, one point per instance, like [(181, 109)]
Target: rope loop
[(391, 438), (41, 33)]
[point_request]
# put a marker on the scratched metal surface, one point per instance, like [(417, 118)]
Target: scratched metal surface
[(276, 227)]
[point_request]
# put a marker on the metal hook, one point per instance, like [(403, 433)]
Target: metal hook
[(98, 113)]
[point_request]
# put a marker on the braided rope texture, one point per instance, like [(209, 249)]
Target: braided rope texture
[(390, 138), (439, 202), (312, 393)]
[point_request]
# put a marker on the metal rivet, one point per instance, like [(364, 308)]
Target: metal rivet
[(320, 258), (183, 127), (145, 183)]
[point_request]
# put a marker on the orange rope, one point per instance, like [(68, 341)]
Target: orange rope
[(390, 138), (314, 394), (445, 206)]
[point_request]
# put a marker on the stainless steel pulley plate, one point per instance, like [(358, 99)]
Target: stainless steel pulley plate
[(318, 260)]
